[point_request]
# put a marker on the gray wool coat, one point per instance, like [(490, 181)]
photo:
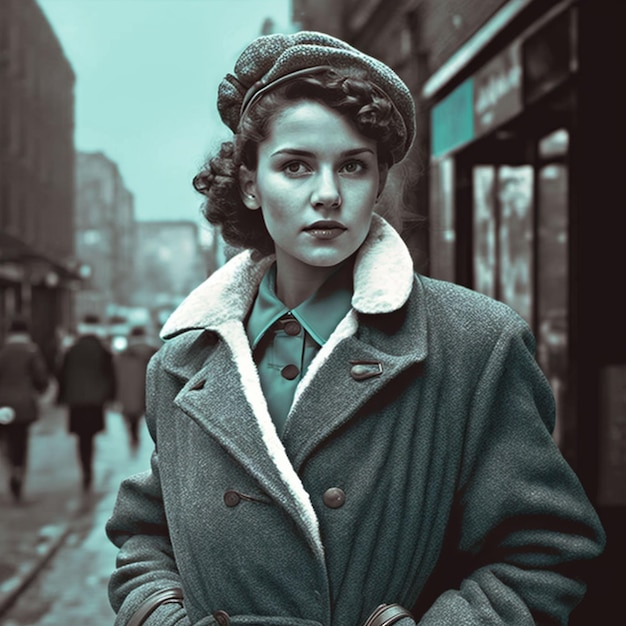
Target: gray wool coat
[(417, 466)]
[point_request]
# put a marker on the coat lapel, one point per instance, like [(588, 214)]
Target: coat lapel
[(232, 409), (347, 376)]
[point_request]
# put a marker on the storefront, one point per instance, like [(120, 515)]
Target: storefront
[(523, 207), (37, 287)]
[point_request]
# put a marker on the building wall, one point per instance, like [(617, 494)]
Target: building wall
[(36, 171), (36, 131), (104, 232)]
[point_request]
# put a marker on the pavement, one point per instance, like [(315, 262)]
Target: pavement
[(33, 530)]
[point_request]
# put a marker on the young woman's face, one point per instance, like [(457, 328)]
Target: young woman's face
[(316, 181)]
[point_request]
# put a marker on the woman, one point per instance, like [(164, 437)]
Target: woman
[(338, 440), (130, 370), (23, 378)]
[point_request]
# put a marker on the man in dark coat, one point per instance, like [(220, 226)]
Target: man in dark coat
[(86, 384)]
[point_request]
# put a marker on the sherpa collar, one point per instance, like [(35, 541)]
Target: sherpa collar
[(383, 279)]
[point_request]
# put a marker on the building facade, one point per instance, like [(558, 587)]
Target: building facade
[(105, 234), (518, 158), (37, 256), (170, 262)]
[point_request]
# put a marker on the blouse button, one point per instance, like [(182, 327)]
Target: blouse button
[(289, 372), (292, 328), (334, 498), (231, 498)]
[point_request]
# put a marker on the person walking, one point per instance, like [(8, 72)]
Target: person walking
[(130, 367), (24, 376), (86, 385)]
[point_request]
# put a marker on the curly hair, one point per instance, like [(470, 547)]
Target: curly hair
[(357, 99)]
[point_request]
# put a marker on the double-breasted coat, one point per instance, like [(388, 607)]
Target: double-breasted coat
[(417, 466)]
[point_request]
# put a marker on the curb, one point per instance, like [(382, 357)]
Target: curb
[(11, 589)]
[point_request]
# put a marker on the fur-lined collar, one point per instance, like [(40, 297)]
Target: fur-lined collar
[(383, 278)]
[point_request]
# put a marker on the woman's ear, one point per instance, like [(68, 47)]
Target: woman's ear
[(247, 185)]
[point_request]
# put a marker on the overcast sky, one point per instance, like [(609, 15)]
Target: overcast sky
[(147, 73)]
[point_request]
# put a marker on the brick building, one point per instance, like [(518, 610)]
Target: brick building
[(37, 260), (517, 169), (105, 234)]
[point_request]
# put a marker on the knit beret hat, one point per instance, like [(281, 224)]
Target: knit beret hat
[(271, 60)]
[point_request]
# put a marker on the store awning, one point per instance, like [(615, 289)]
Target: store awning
[(19, 260)]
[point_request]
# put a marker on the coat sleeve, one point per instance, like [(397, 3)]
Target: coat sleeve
[(524, 526), (138, 527)]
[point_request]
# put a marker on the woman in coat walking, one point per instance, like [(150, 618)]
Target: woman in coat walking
[(23, 378), (339, 441), (86, 385), (130, 367)]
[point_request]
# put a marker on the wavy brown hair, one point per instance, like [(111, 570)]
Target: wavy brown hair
[(360, 101)]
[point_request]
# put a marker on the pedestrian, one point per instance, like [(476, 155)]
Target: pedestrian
[(130, 366), (86, 385), (338, 440), (23, 378)]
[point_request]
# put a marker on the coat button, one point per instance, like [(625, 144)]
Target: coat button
[(363, 371), (231, 498), (222, 618), (334, 497), (289, 372)]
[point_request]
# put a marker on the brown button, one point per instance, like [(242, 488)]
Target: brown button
[(334, 498), (231, 498), (292, 328), (289, 372), (222, 618), (199, 385)]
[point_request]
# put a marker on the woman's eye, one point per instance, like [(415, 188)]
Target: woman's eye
[(294, 167), (353, 167)]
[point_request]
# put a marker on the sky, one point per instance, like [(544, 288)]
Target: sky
[(147, 73)]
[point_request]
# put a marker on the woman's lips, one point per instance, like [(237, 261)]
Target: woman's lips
[(325, 230)]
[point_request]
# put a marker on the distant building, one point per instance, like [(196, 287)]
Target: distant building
[(37, 259), (169, 262), (105, 234)]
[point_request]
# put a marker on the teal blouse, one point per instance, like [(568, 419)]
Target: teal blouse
[(285, 341)]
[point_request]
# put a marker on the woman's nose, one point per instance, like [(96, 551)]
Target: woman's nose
[(326, 193)]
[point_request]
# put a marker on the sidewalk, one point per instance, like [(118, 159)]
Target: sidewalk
[(31, 531)]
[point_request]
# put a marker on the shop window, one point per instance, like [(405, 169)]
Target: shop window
[(554, 145), (503, 235), (484, 230), (443, 227), (552, 285), (515, 235)]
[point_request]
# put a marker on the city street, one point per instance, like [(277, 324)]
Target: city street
[(56, 559)]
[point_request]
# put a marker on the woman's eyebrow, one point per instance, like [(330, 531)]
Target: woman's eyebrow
[(307, 153)]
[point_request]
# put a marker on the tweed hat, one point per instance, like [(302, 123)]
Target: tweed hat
[(271, 60)]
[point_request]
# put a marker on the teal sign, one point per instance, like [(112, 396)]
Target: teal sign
[(452, 120)]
